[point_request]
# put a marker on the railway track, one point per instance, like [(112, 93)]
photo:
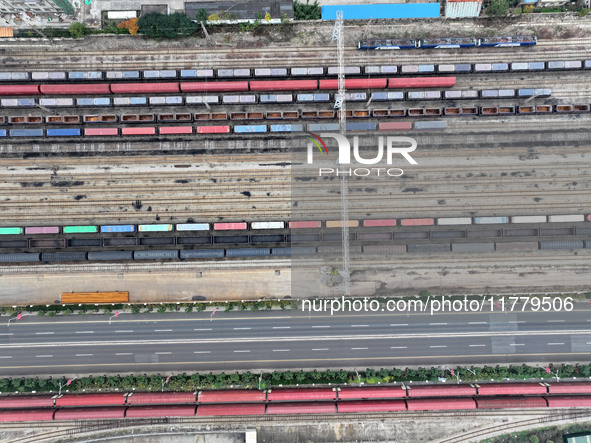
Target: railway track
[(73, 429), (272, 57)]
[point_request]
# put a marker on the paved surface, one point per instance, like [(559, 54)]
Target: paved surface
[(282, 340)]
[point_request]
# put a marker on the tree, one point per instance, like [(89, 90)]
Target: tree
[(131, 25), (497, 8), (156, 25), (77, 30), (201, 16), (306, 11)]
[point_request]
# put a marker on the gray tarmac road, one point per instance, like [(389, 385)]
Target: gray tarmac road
[(289, 340)]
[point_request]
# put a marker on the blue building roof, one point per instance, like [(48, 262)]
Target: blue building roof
[(386, 10)]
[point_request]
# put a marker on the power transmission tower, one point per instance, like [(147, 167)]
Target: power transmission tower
[(340, 105)]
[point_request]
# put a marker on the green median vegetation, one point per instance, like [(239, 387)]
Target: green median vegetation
[(250, 380)]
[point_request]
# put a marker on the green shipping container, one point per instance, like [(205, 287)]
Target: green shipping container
[(79, 229), (9, 231)]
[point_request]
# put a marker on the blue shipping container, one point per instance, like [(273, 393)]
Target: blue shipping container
[(188, 73), (25, 102), (247, 252), (2, 132), (26, 132), (241, 129), (287, 128), (69, 132), (489, 220), (361, 126), (118, 228), (323, 127)]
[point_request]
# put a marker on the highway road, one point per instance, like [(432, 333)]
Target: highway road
[(288, 339)]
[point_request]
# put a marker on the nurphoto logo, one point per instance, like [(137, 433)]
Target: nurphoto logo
[(402, 146)]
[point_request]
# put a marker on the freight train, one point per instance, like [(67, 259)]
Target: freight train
[(263, 242), (447, 43), (295, 401)]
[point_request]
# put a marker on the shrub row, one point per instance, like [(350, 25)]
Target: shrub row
[(249, 380)]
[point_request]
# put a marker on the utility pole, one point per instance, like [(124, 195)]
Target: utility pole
[(340, 105)]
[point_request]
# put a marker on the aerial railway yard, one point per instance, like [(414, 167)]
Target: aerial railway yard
[(497, 156)]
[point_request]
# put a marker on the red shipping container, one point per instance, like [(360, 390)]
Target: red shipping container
[(417, 222), (511, 402), (441, 391), (425, 404), (147, 398), (90, 413), (42, 230), (84, 89), (301, 408), (144, 88), (230, 396), (589, 217), (570, 388), (90, 400), (214, 86), (371, 406), (229, 226), (231, 409), (511, 389), (355, 83), (161, 411), (26, 401), (384, 222), (101, 131), (421, 82), (26, 415), (305, 224), (175, 130), (138, 131), (394, 126), (19, 90), (372, 392), (568, 401), (302, 394), (284, 85), (213, 129)]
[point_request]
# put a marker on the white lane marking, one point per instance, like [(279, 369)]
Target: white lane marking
[(238, 329), (84, 332), (125, 330), (556, 321), (84, 355), (320, 349), (123, 353), (360, 326), (516, 344), (162, 330), (321, 326), (398, 347), (202, 329), (477, 322), (42, 356), (43, 333), (280, 350), (201, 352), (162, 353), (555, 344), (358, 349), (438, 346), (9, 333), (476, 346), (242, 351), (281, 327), (437, 324), (399, 324), (6, 356), (517, 321)]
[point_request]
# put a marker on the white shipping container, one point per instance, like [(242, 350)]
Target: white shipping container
[(192, 227), (566, 218), (528, 219), (267, 225), (454, 221), (121, 15)]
